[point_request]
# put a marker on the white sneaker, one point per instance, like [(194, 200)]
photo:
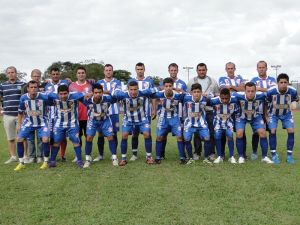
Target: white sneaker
[(267, 160), (232, 160), (133, 158), (190, 161), (115, 162), (26, 160), (87, 164), (98, 158), (207, 161), (196, 156), (11, 159), (241, 160), (31, 160), (218, 160), (75, 159), (39, 160)]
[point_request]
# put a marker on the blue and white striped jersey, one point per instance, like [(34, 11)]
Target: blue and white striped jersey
[(194, 111), (249, 109), (35, 110), (110, 86), (66, 111), (279, 104), (134, 108), (98, 111), (223, 113), (227, 81)]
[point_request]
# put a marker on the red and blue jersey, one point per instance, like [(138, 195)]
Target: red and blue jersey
[(194, 112)]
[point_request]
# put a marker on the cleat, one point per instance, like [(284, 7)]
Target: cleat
[(63, 159), (19, 167), (44, 166), (31, 160), (232, 160), (52, 164), (206, 161), (162, 158), (212, 157), (253, 156), (276, 159), (196, 156), (241, 160), (218, 160), (123, 162), (149, 160), (79, 163), (39, 160), (157, 161), (98, 158), (190, 161), (87, 164), (133, 158), (290, 159), (26, 160), (267, 160), (115, 162), (11, 159), (74, 160), (182, 161)]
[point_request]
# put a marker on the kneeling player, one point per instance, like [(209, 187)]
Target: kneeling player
[(99, 120), (280, 99)]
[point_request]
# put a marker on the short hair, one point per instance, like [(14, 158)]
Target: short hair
[(140, 64), (173, 65), (31, 82), (229, 63), (283, 76), (168, 80), (250, 84), (225, 91), (196, 86), (132, 83), (262, 61), (11, 68), (62, 87), (36, 71), (200, 65), (108, 65), (55, 69), (81, 68), (97, 86)]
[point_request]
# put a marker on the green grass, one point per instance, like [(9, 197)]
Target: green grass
[(169, 193)]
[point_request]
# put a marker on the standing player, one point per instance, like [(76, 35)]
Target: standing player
[(34, 106), (109, 83), (263, 82), (135, 118), (249, 103), (99, 121), (280, 99)]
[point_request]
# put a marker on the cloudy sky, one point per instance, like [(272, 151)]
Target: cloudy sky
[(35, 33)]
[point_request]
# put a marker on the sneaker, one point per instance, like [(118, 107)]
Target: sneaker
[(206, 161), (290, 159), (275, 159), (212, 157), (115, 162), (182, 161), (196, 156), (253, 156), (39, 160), (31, 160), (98, 158), (232, 160), (63, 159), (74, 160), (87, 164), (19, 167), (52, 164), (158, 161), (149, 160), (190, 161), (11, 159), (79, 163), (241, 160), (44, 166), (123, 162), (26, 160), (218, 160), (133, 158), (267, 160)]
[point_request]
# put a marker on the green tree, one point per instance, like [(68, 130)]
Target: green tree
[(122, 75), (156, 80)]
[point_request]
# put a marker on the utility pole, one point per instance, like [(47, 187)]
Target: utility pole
[(188, 68), (276, 68)]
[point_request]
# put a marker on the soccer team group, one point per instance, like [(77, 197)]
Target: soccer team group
[(205, 109)]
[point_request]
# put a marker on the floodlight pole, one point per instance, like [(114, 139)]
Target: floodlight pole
[(188, 68)]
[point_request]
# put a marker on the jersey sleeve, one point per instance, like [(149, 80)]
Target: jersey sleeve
[(22, 107), (221, 82)]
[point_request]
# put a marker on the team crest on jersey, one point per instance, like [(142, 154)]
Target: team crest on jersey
[(71, 103), (91, 106), (190, 105), (145, 85), (287, 98), (255, 104), (113, 85), (110, 129), (26, 104), (217, 108), (258, 83), (242, 103), (39, 103), (231, 107), (127, 101), (227, 82)]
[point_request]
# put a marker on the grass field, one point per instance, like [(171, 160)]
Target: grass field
[(253, 193)]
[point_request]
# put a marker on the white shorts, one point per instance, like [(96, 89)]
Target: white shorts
[(10, 126)]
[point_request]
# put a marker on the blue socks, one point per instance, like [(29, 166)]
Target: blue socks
[(78, 153), (264, 146), (54, 152), (290, 143), (88, 147)]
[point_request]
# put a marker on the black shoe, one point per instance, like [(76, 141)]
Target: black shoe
[(158, 161), (182, 161), (63, 159)]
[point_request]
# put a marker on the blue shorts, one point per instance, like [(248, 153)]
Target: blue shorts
[(26, 132), (166, 125), (61, 133), (188, 132), (287, 121), (133, 127), (219, 133), (115, 122), (256, 123), (103, 127)]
